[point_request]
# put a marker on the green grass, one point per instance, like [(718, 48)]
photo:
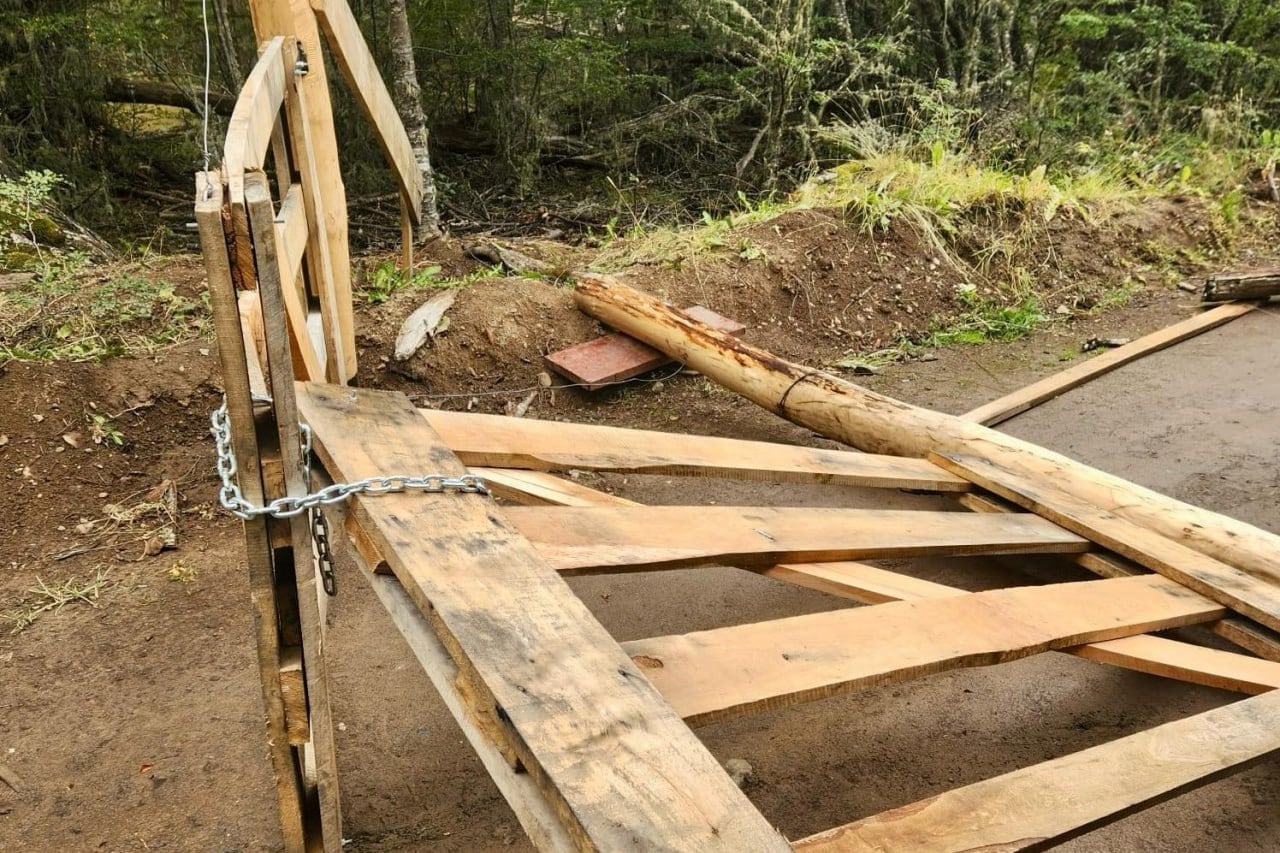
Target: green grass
[(388, 277), (43, 598), (62, 314)]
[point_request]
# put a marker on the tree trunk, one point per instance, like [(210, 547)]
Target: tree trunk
[(408, 97), (226, 40), (878, 424)]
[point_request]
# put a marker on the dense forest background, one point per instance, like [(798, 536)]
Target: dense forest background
[(660, 109)]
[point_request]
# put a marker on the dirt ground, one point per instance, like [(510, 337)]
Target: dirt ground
[(132, 721)]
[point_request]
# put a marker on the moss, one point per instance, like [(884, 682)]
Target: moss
[(19, 259)]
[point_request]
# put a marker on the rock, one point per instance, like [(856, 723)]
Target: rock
[(427, 321), (739, 770)]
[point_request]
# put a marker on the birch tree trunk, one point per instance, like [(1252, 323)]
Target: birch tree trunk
[(408, 97)]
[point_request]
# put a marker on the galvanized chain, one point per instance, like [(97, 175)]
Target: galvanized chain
[(231, 498)]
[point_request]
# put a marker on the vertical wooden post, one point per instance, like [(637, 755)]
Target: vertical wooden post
[(295, 18), (290, 791), (325, 808)]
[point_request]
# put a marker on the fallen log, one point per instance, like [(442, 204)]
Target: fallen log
[(878, 424), (1226, 286)]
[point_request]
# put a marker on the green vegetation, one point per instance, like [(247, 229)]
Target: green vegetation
[(388, 277), (44, 598)]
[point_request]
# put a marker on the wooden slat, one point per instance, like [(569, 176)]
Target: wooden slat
[(274, 295), (295, 20), (1186, 662), (1019, 401), (871, 585), (578, 540), (1036, 807), (261, 216), (542, 489), (1255, 597), (291, 243), (531, 808), (254, 116), (353, 56), (502, 442), (336, 320), (232, 350), (726, 672), (1247, 635), (552, 687)]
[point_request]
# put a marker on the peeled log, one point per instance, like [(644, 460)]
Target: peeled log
[(878, 424)]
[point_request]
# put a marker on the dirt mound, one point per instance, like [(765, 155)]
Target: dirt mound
[(808, 285)]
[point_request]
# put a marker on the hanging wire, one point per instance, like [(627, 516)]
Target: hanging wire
[(204, 144)]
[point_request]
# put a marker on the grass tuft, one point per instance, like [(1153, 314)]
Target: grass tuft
[(43, 598)]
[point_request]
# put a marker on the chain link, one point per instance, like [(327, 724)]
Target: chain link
[(233, 500)]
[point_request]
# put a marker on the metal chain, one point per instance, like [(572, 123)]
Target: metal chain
[(233, 500)]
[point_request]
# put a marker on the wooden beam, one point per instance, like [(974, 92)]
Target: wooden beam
[(336, 319), (209, 203), (291, 244), (553, 689), (1037, 807), (531, 808), (1258, 284), (1245, 634), (726, 672), (249, 130), (503, 442), (580, 540), (871, 585), (274, 295), (878, 424), (541, 489), (294, 18), (1019, 401), (261, 218), (353, 56), (1246, 594)]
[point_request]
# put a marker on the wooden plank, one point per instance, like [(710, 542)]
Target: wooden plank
[(1244, 634), (1253, 596), (352, 55), (858, 582), (336, 320), (274, 295), (210, 199), (293, 690), (503, 442), (581, 540), (531, 808), (1019, 401), (1186, 662), (1037, 807), (254, 117), (553, 687), (879, 424), (727, 672), (871, 585), (541, 489), (291, 243), (1257, 284), (261, 216), (294, 18)]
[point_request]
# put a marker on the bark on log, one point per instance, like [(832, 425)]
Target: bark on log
[(123, 91), (1227, 286), (878, 424)]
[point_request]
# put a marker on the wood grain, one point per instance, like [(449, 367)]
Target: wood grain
[(232, 349), (1037, 807), (502, 442), (726, 672), (621, 769), (1255, 597), (579, 540)]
